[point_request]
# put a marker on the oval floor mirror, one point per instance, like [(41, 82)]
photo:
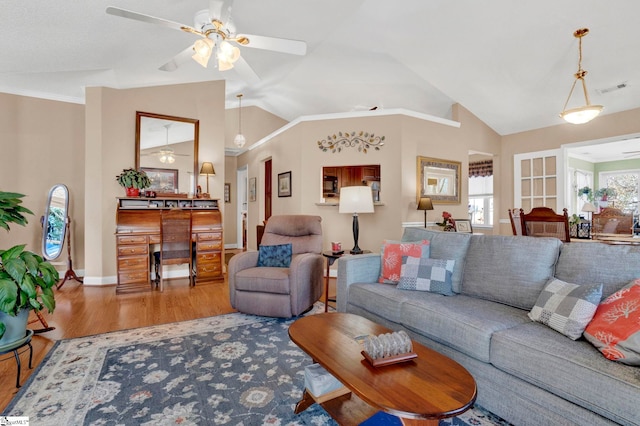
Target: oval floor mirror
[(57, 227)]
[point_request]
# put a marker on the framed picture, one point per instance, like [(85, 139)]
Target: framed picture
[(227, 192), (252, 189), (439, 180), (284, 184), (162, 180), (463, 225)]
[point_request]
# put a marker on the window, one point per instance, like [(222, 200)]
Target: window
[(481, 200), (578, 179), (627, 187)]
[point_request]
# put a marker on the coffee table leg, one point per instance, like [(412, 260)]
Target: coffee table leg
[(306, 402)]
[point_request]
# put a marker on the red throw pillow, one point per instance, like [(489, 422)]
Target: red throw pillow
[(615, 328), (392, 253)]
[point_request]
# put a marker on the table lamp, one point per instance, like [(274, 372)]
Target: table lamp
[(589, 208), (356, 199), (207, 169), (425, 204)]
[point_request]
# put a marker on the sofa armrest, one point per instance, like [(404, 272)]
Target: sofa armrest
[(239, 262), (361, 268)]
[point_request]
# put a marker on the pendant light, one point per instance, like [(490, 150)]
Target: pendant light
[(239, 139), (587, 112)]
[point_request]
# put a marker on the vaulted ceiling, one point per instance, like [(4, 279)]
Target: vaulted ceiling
[(510, 63)]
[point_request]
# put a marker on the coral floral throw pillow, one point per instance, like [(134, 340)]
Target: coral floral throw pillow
[(392, 253), (615, 328)]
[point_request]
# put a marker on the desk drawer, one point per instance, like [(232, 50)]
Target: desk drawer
[(133, 250), (131, 277), (133, 263), (132, 239), (208, 265), (209, 236), (209, 246)]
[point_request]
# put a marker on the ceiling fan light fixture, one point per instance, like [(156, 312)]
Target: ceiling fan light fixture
[(224, 65), (227, 52), (203, 48), (239, 140), (588, 112)]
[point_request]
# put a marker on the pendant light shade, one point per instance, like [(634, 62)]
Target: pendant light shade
[(587, 112), (239, 140)]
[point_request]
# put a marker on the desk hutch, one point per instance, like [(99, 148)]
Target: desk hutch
[(138, 228)]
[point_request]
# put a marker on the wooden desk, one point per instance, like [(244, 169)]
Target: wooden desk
[(138, 227)]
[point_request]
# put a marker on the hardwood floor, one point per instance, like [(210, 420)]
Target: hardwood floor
[(86, 310)]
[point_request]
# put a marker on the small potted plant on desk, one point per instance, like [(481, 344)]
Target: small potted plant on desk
[(133, 181), (26, 279)]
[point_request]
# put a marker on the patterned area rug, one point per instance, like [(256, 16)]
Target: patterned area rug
[(231, 369)]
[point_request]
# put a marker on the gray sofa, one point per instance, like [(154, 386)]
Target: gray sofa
[(526, 372)]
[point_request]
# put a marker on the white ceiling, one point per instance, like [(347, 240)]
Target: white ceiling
[(510, 63)]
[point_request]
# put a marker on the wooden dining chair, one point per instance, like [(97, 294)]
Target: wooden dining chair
[(175, 243), (516, 224), (544, 222)]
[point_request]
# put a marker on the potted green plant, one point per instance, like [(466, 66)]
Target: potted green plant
[(133, 181), (587, 192), (26, 279)]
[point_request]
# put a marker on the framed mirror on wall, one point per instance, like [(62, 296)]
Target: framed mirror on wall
[(439, 180), (167, 149)]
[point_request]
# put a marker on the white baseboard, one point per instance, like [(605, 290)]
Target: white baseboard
[(100, 281)]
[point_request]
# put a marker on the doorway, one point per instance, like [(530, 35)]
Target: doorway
[(241, 207)]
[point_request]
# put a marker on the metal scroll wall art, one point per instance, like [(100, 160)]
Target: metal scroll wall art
[(363, 141)]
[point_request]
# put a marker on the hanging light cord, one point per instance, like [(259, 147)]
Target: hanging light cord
[(240, 114), (580, 74)]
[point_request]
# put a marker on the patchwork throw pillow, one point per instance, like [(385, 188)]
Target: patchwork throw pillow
[(424, 274), (277, 256), (615, 328), (392, 254), (565, 307)]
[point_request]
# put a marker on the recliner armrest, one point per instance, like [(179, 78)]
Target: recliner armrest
[(361, 268)]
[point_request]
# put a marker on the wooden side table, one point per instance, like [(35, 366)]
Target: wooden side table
[(331, 258), (26, 341)]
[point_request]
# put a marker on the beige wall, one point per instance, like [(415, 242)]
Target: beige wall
[(42, 144), (110, 118), (607, 126), (296, 150), (256, 124)]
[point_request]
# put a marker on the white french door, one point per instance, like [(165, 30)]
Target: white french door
[(539, 180)]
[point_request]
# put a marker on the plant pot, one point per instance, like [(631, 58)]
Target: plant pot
[(133, 192), (16, 326)]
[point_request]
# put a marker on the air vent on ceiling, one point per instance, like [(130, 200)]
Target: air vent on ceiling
[(612, 88)]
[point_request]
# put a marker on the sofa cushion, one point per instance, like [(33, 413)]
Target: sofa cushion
[(460, 322), (576, 265), (567, 308), (615, 328), (443, 245), (382, 299), (509, 269), (392, 254), (424, 274), (275, 256), (573, 370)]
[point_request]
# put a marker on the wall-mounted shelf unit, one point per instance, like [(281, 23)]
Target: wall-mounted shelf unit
[(168, 203)]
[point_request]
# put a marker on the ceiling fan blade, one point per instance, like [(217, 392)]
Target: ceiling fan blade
[(180, 59), (129, 14), (245, 71), (284, 45)]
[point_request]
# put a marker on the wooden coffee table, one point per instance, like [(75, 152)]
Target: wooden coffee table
[(421, 391)]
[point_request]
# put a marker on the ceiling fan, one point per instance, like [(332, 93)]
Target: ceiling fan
[(217, 36), (629, 154), (166, 154)]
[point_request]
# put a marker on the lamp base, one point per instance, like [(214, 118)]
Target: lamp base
[(356, 250)]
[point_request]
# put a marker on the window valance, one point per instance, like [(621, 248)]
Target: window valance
[(481, 168)]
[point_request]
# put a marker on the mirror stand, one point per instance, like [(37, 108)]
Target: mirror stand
[(70, 274)]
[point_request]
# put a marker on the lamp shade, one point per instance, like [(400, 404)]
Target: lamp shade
[(207, 169), (588, 207), (425, 204), (356, 199)]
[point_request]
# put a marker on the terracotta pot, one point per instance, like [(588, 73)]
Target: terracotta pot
[(133, 192)]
